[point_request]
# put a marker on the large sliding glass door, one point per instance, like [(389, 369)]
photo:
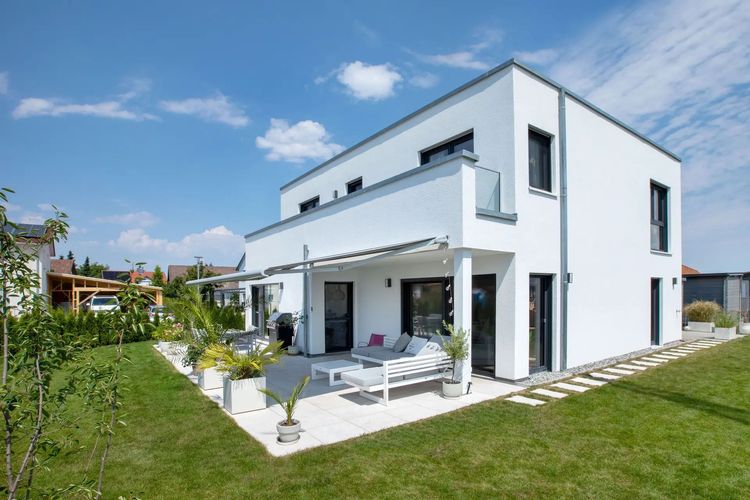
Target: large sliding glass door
[(483, 320), (339, 316), (540, 323), (265, 302), (424, 306)]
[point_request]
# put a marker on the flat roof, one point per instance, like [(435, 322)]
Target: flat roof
[(471, 83), (73, 277)]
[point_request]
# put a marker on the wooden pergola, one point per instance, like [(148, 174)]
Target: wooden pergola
[(78, 290)]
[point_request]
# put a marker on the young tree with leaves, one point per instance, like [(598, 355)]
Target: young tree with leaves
[(158, 279)]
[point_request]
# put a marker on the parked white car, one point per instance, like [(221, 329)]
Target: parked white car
[(104, 303)]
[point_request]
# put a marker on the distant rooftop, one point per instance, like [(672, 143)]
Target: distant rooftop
[(25, 230)]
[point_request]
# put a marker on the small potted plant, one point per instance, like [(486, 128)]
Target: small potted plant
[(288, 428), (725, 325), (245, 373), (456, 347), (293, 349)]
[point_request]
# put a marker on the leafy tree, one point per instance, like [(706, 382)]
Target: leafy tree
[(175, 288), (85, 269), (158, 279), (91, 269), (206, 291), (70, 255)]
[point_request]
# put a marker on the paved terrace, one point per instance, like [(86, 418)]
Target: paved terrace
[(332, 414)]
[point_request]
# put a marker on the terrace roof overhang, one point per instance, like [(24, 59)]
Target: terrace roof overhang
[(330, 263)]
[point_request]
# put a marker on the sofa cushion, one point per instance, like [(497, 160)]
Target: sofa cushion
[(388, 355), (433, 346), (415, 345), (402, 342), (369, 350), (367, 377), (376, 339)]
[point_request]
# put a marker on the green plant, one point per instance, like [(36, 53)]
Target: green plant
[(703, 311), (241, 366), (725, 319), (168, 331), (456, 347), (290, 404)]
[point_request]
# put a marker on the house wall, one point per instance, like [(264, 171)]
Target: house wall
[(609, 177), (40, 265), (486, 108)]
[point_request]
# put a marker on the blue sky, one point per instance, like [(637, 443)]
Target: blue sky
[(164, 129)]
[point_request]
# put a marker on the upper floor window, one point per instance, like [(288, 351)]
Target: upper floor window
[(540, 161), (353, 186), (309, 204), (464, 142), (659, 218)]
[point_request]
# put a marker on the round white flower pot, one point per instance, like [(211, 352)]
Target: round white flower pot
[(210, 378), (292, 350), (288, 434), (243, 395), (452, 390)]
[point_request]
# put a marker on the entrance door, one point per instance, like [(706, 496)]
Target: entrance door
[(540, 323), (339, 315), (655, 311), (483, 323)]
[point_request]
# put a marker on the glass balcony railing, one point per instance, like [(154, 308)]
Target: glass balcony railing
[(487, 189)]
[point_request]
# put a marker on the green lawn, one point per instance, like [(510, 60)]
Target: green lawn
[(680, 430)]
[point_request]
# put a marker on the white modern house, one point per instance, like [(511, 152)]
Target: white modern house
[(510, 207), (30, 237)]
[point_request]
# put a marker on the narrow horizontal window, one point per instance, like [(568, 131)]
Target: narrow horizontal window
[(309, 204), (465, 142), (354, 186)]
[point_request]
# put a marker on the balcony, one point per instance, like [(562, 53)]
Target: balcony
[(487, 189)]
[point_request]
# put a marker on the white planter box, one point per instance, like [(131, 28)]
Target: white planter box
[(725, 333), (688, 335), (210, 378), (243, 395), (699, 326), (745, 329)]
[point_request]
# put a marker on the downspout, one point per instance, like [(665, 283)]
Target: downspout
[(564, 273), (306, 301)]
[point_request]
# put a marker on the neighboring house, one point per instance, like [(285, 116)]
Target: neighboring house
[(226, 293), (730, 290), (510, 207), (29, 236), (65, 266), (687, 270), (144, 277)]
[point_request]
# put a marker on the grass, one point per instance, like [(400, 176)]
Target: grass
[(680, 430)]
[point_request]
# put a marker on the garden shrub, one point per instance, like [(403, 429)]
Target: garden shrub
[(703, 311)]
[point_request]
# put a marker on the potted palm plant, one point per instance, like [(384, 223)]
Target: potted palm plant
[(456, 347), (245, 373), (288, 428)]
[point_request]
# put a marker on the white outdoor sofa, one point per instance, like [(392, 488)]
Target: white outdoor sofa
[(396, 368)]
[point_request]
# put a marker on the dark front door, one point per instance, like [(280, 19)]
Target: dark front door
[(339, 316), (483, 323), (655, 311), (540, 323)]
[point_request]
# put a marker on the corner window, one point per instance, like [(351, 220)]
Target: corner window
[(540, 161), (465, 142), (659, 218), (309, 204), (354, 186)]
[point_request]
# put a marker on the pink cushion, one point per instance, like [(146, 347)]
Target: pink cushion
[(376, 339)]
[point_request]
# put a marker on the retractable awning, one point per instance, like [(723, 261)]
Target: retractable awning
[(330, 263)]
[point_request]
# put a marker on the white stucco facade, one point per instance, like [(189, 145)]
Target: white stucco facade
[(606, 232)]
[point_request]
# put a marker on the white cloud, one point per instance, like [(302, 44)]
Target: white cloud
[(35, 106), (367, 81), (304, 140), (541, 56), (134, 88), (679, 71), (424, 80), (11, 207), (47, 207), (216, 108), (217, 244), (135, 219), (468, 58), (4, 82)]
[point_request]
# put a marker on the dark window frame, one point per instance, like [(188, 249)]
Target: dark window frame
[(357, 183), (406, 325), (659, 215), (308, 205), (542, 185), (449, 146)]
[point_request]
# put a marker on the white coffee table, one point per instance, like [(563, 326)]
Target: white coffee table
[(331, 368)]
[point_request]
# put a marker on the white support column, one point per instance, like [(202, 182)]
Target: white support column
[(462, 303)]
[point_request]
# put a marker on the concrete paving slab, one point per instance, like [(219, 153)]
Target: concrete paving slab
[(550, 394), (571, 387), (618, 371), (605, 376), (525, 401), (588, 381), (647, 364), (654, 360), (631, 367)]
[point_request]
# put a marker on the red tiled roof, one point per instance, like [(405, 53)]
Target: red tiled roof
[(64, 266), (689, 270)]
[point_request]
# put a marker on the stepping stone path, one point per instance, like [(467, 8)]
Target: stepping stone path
[(618, 371), (571, 387), (588, 381), (525, 401), (592, 380), (550, 394), (632, 367)]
